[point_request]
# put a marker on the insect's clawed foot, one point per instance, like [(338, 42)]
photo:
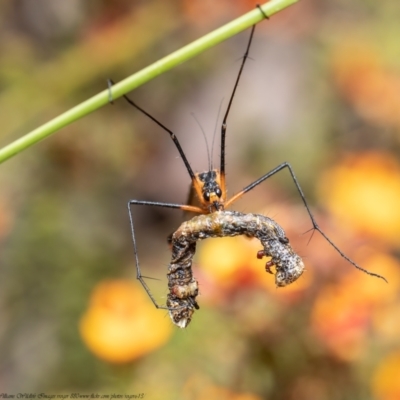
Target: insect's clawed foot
[(262, 11)]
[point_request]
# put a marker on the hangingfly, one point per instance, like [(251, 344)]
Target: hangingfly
[(208, 189)]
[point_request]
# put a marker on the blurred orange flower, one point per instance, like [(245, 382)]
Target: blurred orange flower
[(121, 324), (343, 313), (340, 321), (226, 260), (364, 190), (231, 264), (386, 382), (370, 87)]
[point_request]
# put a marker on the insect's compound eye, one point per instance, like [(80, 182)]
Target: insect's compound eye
[(206, 196), (218, 192)]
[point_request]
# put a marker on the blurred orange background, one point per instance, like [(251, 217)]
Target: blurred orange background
[(321, 91)]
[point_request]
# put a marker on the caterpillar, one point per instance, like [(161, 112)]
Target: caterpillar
[(183, 287)]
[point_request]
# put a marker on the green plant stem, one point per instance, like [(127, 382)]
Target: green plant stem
[(143, 76)]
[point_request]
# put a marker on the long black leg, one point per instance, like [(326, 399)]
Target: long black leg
[(315, 225), (223, 126), (171, 134), (139, 275)]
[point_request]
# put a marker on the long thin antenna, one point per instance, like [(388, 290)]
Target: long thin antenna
[(205, 138)]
